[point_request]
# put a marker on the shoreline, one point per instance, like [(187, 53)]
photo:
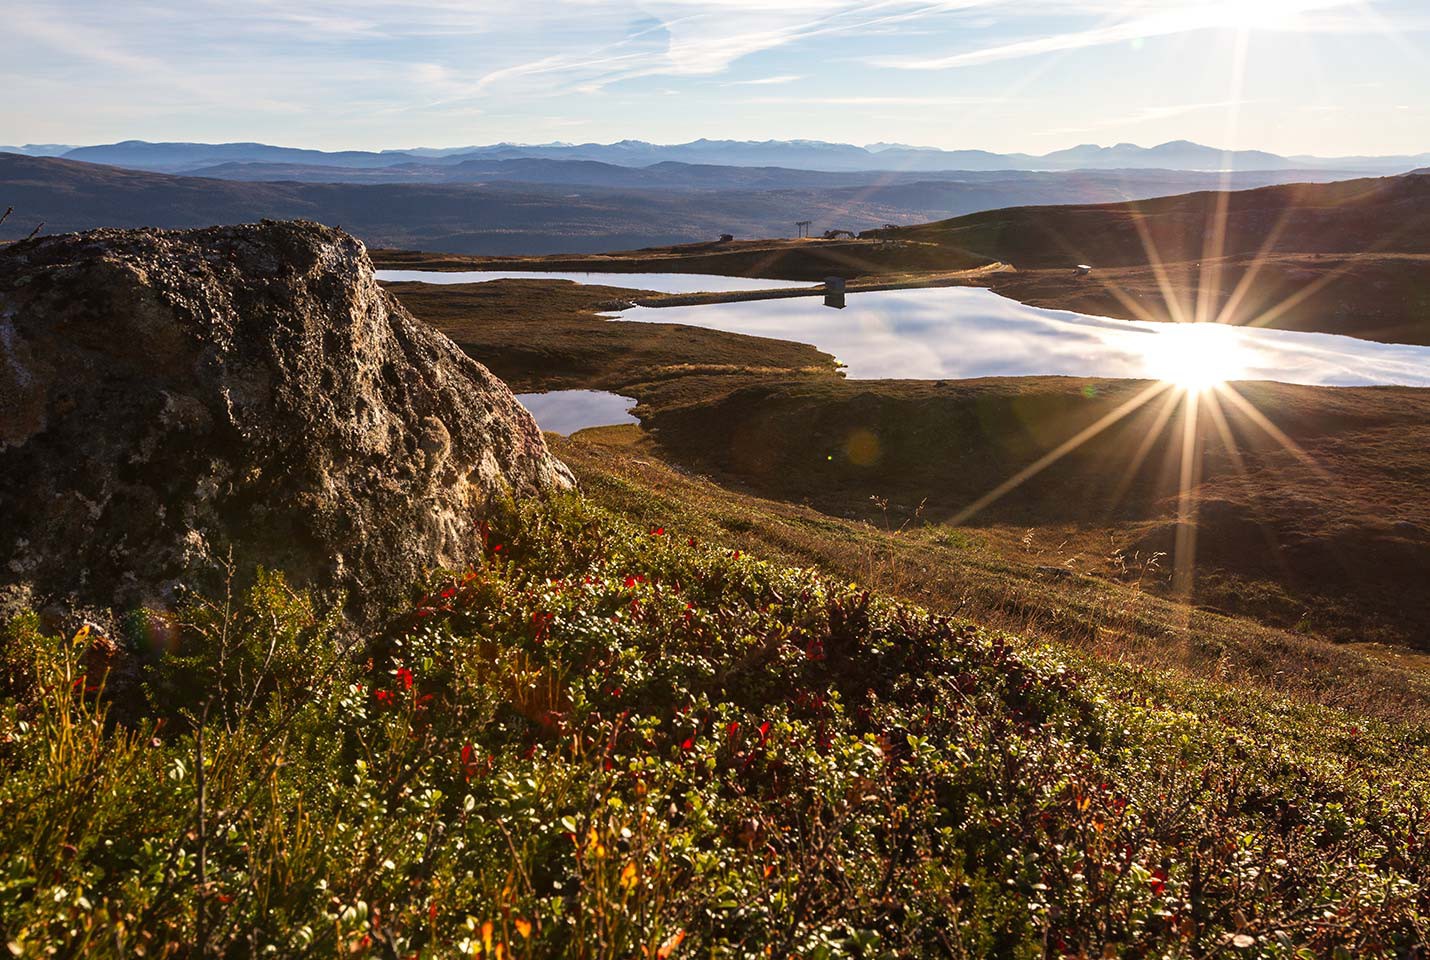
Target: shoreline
[(1378, 296), (961, 278)]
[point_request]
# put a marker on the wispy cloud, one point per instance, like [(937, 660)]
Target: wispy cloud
[(863, 101), (721, 32), (765, 81), (1183, 18), (343, 73), (94, 45)]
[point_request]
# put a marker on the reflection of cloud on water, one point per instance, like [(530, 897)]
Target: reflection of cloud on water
[(965, 332), (566, 411)]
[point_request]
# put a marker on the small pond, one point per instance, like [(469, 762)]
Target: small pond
[(566, 411)]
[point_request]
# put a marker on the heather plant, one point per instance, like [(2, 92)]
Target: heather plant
[(230, 659), (606, 741)]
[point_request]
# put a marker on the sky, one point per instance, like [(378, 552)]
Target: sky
[(1325, 77)]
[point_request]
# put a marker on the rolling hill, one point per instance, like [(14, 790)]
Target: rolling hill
[(1354, 216), (539, 206)]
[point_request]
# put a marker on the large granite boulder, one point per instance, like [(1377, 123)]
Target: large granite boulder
[(167, 397)]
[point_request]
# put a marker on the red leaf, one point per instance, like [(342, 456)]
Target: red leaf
[(671, 942)]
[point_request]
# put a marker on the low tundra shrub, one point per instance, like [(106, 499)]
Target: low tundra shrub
[(615, 742)]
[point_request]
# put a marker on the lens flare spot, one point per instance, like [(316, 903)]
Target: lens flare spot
[(862, 448), (154, 632)]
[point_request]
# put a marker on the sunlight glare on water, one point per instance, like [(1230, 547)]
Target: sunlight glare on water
[(966, 332), (1197, 356)]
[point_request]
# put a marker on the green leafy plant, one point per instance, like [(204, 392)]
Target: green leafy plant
[(611, 741)]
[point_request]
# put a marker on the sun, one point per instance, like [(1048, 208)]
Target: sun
[(1263, 14), (1195, 356)]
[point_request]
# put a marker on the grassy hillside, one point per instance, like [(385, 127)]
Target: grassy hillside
[(1355, 216), (543, 335), (1042, 583), (611, 741), (1332, 534), (776, 259), (1373, 296)]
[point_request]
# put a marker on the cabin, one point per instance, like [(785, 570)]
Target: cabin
[(1082, 269), (836, 234)]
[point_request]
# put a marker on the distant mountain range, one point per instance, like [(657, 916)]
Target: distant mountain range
[(40, 149), (427, 164), (673, 175), (555, 206)]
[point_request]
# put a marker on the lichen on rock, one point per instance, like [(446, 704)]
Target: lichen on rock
[(169, 396)]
